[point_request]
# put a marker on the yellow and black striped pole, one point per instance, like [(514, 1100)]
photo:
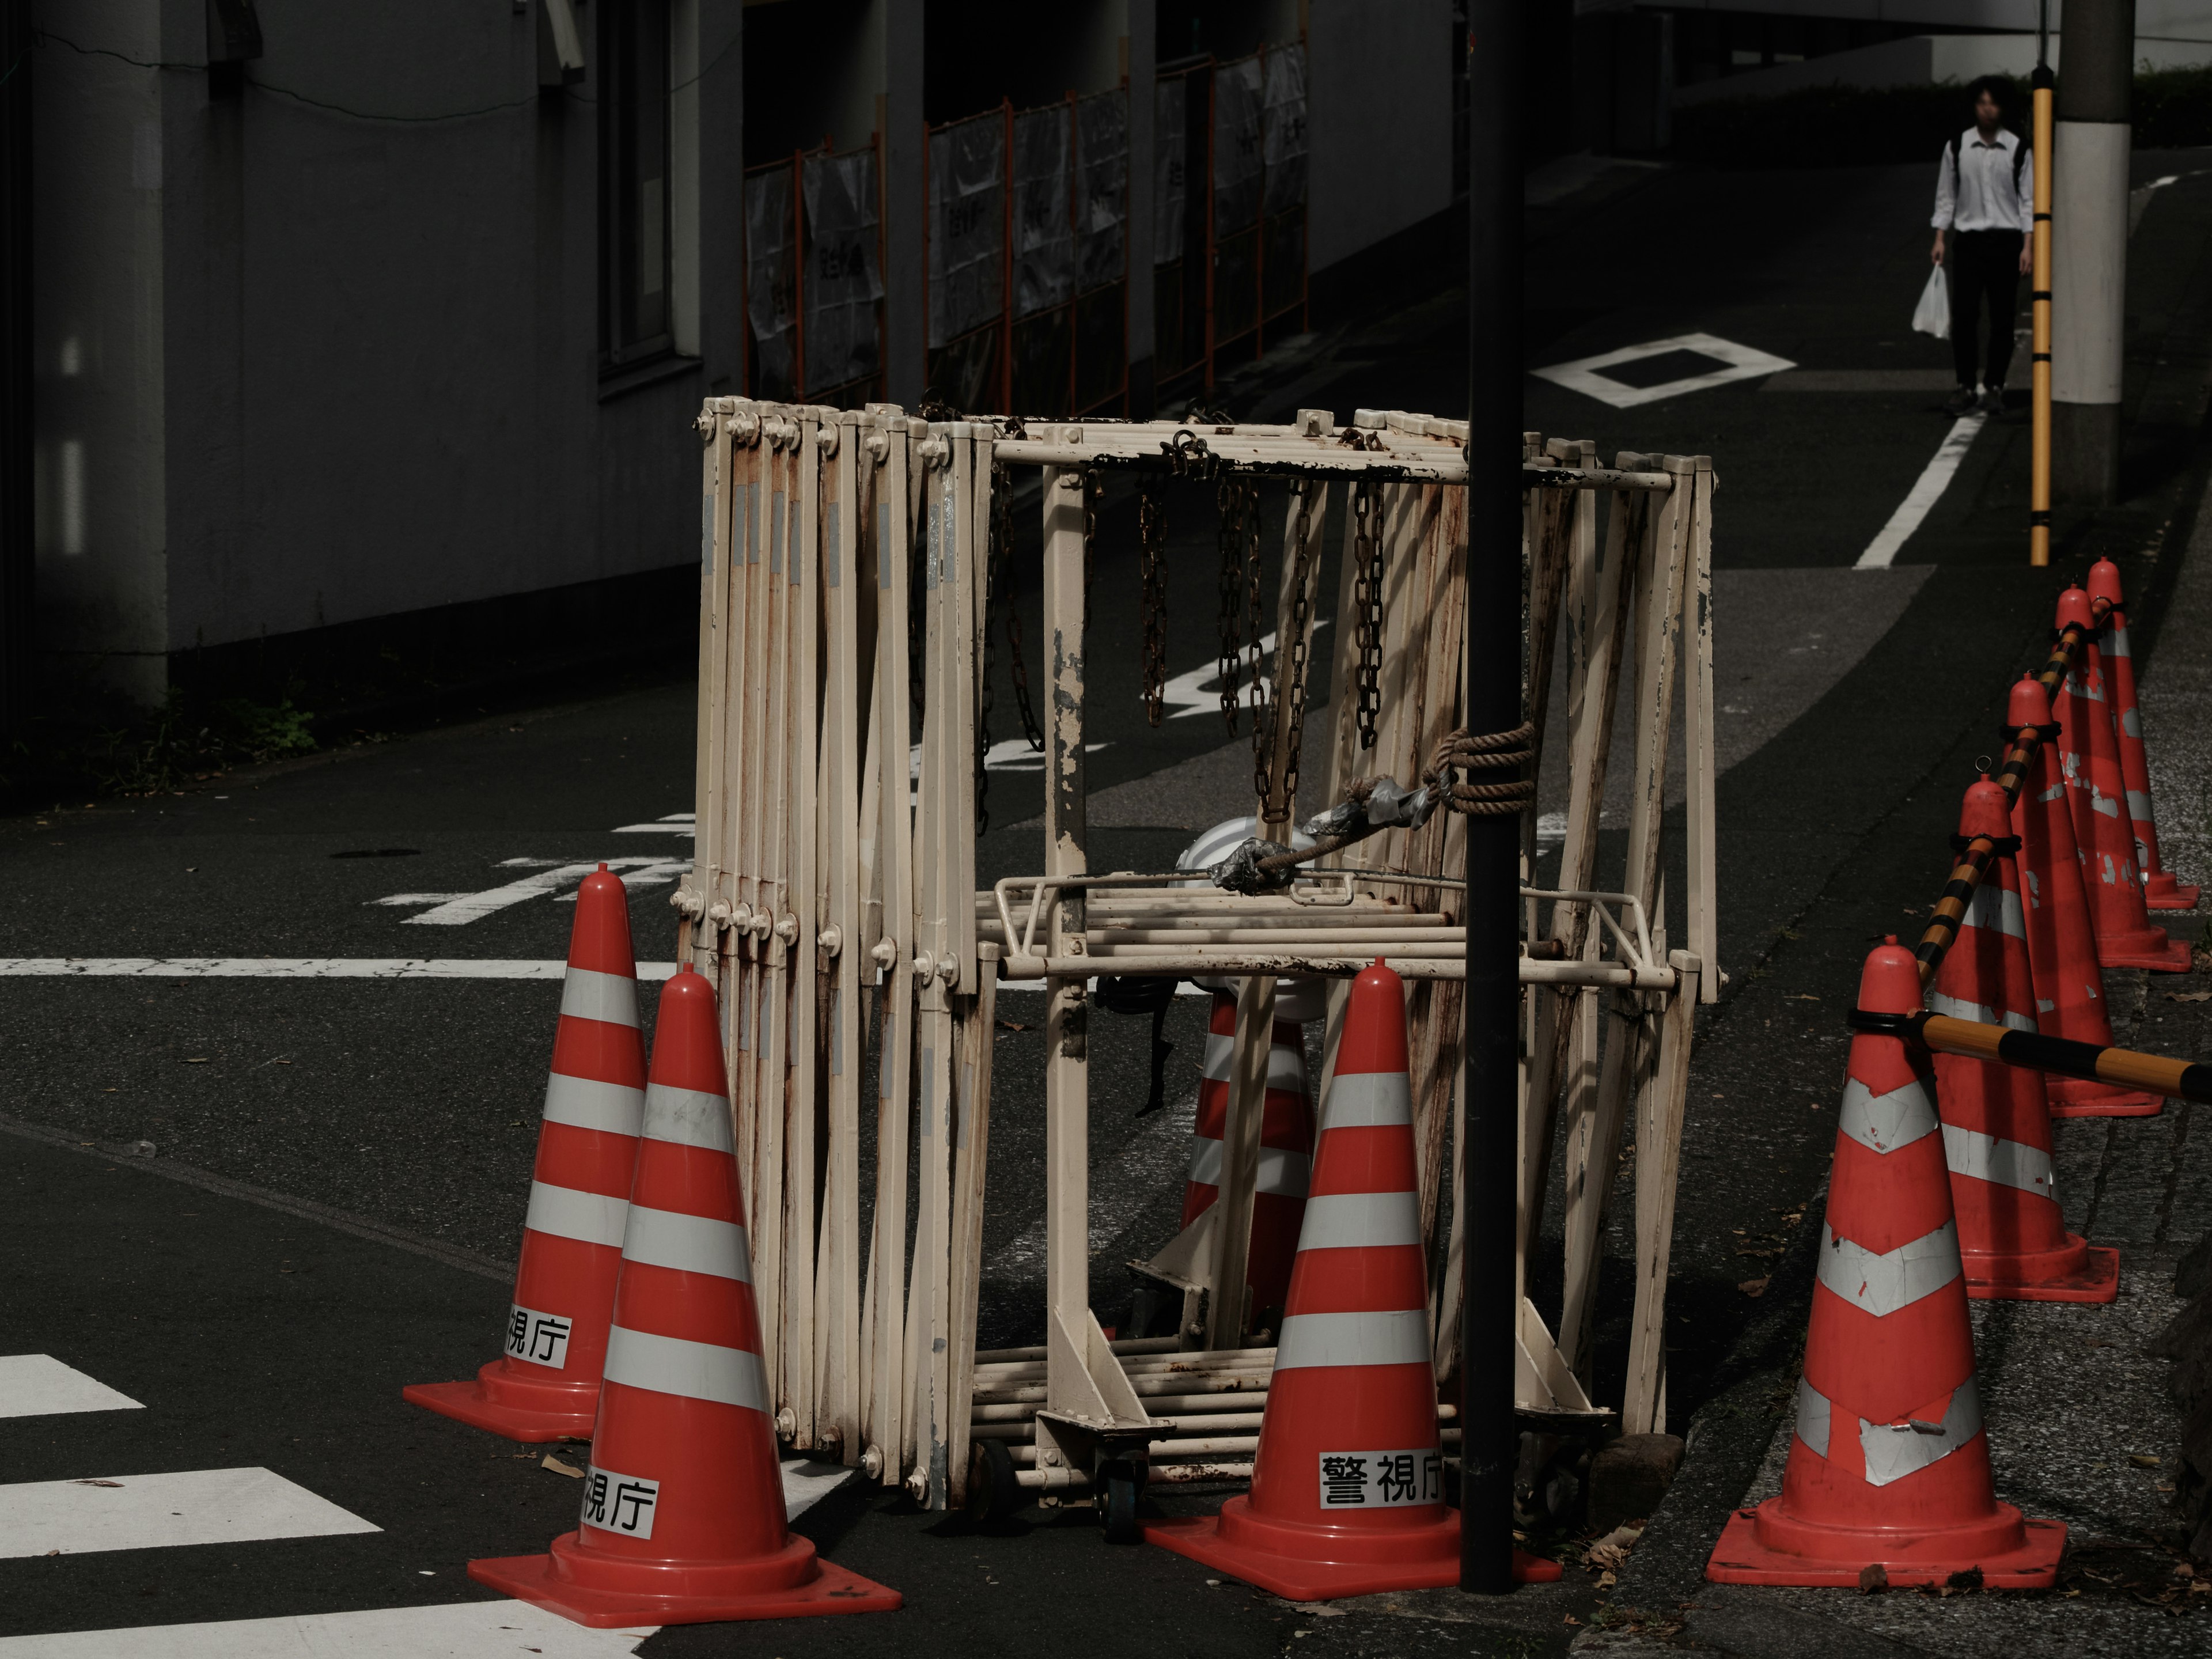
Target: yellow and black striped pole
[(2039, 498), (2129, 1068)]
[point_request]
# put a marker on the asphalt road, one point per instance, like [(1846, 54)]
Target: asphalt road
[(374, 1136)]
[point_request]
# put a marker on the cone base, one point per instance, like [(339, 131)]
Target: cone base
[(2029, 1560), (675, 1593), (472, 1403), (1419, 1557), (2149, 947), (2052, 1277), (2162, 892), (2101, 1100)]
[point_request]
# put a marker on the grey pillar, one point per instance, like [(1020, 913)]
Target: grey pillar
[(906, 206), (2089, 251)]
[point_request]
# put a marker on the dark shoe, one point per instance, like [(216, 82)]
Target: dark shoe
[(1993, 401), (1963, 401)]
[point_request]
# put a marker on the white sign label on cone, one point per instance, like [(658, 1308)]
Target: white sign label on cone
[(540, 1337), (1381, 1479), (619, 1503)]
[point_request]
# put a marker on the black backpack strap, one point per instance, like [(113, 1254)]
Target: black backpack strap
[(2019, 161), (1951, 150)]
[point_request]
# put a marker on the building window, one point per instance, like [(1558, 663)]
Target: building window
[(634, 146)]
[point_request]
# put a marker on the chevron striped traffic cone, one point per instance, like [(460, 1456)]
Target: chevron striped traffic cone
[(1997, 1122), (1279, 1201), (546, 1385), (682, 1516), (2161, 890), (1347, 1485), (2062, 952), (2089, 752), (1890, 1465)]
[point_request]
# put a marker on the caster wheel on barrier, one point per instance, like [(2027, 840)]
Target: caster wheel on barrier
[(993, 1494), (1119, 1486)]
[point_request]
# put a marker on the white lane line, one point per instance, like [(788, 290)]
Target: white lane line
[(466, 1630), (1924, 494), (296, 968), (155, 1511), (39, 1385)]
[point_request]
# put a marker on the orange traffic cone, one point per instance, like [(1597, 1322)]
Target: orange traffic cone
[(2089, 752), (1996, 1123), (546, 1385), (2161, 890), (683, 1516), (2062, 954), (1890, 1465), (1347, 1485), (1279, 1201)]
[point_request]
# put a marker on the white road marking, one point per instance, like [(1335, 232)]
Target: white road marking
[(1741, 362), (657, 873), (1924, 494), (39, 1385), (418, 898), (297, 968), (1199, 691), (473, 907), (464, 1630), (154, 1511), (806, 1483)]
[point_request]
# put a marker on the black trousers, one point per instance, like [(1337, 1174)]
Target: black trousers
[(1983, 264)]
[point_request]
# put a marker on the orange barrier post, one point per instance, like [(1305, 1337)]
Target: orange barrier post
[(546, 1385), (1890, 1465)]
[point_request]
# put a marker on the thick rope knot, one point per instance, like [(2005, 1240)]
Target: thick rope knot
[(1465, 752)]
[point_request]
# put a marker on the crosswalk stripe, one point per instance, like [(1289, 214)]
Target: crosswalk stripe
[(153, 1511), (466, 1630), (39, 1385)]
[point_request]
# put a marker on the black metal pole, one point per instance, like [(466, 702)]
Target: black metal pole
[(1490, 1156), (16, 511)]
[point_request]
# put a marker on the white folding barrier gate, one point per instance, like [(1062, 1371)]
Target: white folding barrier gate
[(833, 902)]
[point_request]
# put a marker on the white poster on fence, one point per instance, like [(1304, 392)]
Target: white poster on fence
[(768, 277), (1237, 157), (842, 284), (1170, 141), (1101, 151), (1045, 241), (967, 227), (1284, 139)]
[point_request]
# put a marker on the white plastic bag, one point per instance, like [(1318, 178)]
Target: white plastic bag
[(1933, 314)]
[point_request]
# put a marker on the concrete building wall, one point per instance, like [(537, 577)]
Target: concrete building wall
[(1378, 121)]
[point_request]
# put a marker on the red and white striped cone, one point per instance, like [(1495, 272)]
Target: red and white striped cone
[(546, 1385), (2089, 752), (1890, 1465), (1347, 1484), (683, 1517), (2062, 951), (2161, 890), (1997, 1122), (1279, 1200)]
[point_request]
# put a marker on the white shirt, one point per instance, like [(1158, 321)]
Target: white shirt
[(1985, 198)]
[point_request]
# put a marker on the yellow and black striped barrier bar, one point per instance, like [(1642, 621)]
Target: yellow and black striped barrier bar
[(1950, 911), (2128, 1068)]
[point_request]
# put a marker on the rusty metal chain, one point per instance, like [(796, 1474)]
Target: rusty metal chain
[(1291, 636), (1229, 499), (1367, 608), (1152, 596), (1257, 688), (1017, 656)]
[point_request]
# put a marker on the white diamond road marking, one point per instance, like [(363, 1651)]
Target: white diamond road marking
[(153, 1511), (298, 968), (466, 1630), (39, 1385), (1739, 362)]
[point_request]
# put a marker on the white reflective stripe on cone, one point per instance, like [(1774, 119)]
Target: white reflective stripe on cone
[(2131, 723), (2116, 641), (1368, 1100), (1812, 1414), (1881, 1282), (2001, 1162), (691, 1371), (1893, 1450), (587, 994), (583, 1102), (688, 1117), (566, 1212), (1286, 1067), (1354, 1339), (1282, 1173), (1883, 1123), (1352, 1221), (1997, 909), (1960, 1008), (689, 1243), (2139, 806)]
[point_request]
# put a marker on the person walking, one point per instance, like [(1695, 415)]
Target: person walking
[(1984, 184)]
